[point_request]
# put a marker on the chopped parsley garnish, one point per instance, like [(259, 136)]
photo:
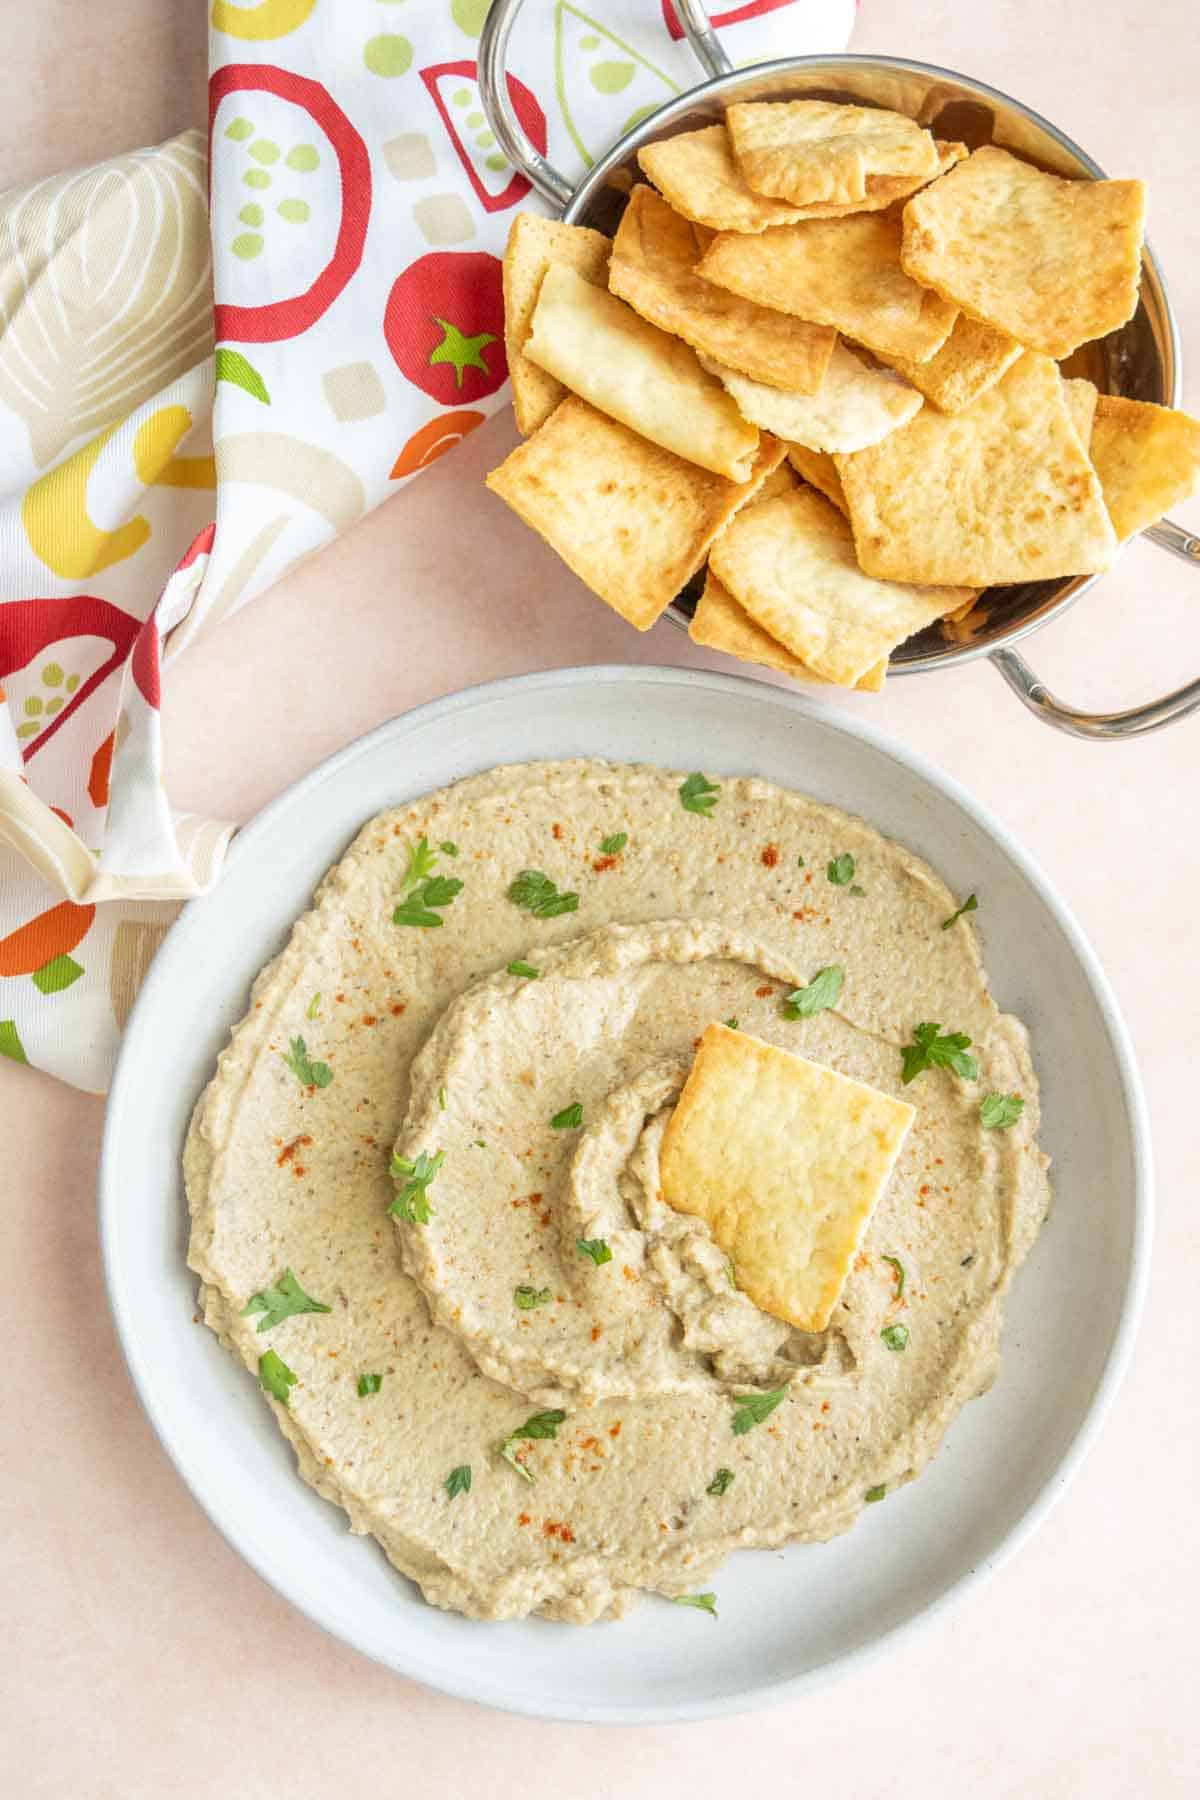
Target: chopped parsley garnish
[(799, 862), (412, 1181), (706, 1602), (874, 1494), (895, 1336), (930, 1050), (540, 896), (899, 1268), (699, 795), (821, 993), (570, 1118), (448, 848), (752, 1409), (841, 870), (276, 1377), (540, 1425), (731, 1274), (998, 1111), (441, 1099), (281, 1301), (527, 1297), (597, 1248), (970, 904), (732, 1025), (423, 892), (314, 1006), (721, 1482), (525, 969), (309, 1074), (613, 846), (458, 1481), (369, 1384), (857, 892)]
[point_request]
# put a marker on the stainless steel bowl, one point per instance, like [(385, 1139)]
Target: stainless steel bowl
[(1141, 360)]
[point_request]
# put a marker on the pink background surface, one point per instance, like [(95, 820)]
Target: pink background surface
[(143, 1657)]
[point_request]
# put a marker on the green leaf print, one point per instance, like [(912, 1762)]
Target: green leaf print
[(591, 60), (233, 366)]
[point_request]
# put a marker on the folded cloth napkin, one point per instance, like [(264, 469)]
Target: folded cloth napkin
[(167, 450)]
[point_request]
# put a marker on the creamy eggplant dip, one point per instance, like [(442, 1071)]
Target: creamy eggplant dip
[(426, 1204)]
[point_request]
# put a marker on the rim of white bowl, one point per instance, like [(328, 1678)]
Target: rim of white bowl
[(757, 1694)]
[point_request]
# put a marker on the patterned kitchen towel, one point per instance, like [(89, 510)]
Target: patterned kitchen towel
[(167, 452)]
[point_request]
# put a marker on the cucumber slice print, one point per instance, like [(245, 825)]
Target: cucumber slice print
[(454, 89), (604, 85), (309, 174)]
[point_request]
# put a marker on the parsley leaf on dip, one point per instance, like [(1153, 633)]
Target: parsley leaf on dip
[(970, 904), (448, 848), (422, 892), (307, 1073), (895, 1336), (523, 968), (821, 992), (752, 1409), (412, 1181), (537, 894), (458, 1481), (276, 1377), (526, 1297), (613, 846), (931, 1050), (699, 795), (720, 1482), (841, 870), (314, 1006), (281, 1301), (899, 1268), (706, 1602), (596, 1248), (732, 1025), (570, 1118), (874, 1494), (539, 1425), (369, 1384), (998, 1111)]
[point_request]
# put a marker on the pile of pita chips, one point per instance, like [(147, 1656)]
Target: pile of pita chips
[(830, 284)]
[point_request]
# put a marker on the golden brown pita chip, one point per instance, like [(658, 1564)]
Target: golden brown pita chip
[(785, 1160), (790, 562), (1002, 492), (970, 360), (883, 190), (1081, 397), (1054, 263), (820, 471), (655, 253), (721, 624), (812, 151), (533, 244), (632, 520), (696, 172), (1147, 458), (855, 406), (779, 481), (617, 361), (840, 272)]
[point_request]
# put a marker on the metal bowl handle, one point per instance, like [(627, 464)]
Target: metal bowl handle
[(1137, 720), (511, 135)]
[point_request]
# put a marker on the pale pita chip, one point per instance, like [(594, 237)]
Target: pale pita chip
[(1081, 397), (779, 481), (809, 151), (655, 253), (840, 272), (1002, 492), (533, 244), (883, 190), (790, 562), (785, 1160), (971, 359), (697, 173), (1054, 263), (618, 362), (721, 624), (633, 521), (820, 471), (854, 407), (1147, 458)]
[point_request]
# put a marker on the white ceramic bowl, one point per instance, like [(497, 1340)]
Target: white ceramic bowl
[(784, 1618)]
